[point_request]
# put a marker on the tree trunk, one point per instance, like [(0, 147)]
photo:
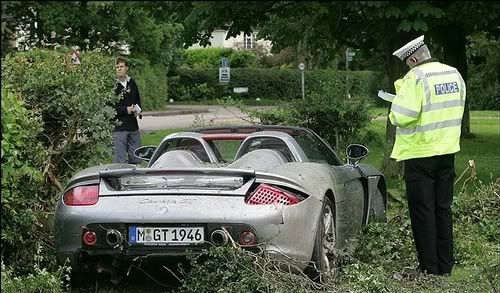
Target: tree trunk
[(454, 47), (38, 31), (84, 26), (394, 68)]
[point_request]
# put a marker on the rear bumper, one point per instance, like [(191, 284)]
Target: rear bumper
[(286, 232)]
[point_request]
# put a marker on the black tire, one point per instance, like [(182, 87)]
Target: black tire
[(377, 208), (324, 256)]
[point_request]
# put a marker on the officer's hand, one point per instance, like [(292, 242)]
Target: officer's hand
[(130, 109)]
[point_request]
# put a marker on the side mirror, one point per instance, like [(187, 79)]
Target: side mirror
[(145, 152), (355, 152)]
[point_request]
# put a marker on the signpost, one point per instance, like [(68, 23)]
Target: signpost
[(224, 71), (302, 66), (348, 58)]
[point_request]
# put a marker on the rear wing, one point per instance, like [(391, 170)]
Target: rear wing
[(180, 180)]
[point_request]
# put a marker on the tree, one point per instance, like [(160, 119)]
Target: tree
[(146, 27), (318, 28), (463, 19)]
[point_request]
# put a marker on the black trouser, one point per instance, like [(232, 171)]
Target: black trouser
[(429, 188)]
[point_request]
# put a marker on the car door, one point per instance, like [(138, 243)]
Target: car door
[(347, 181)]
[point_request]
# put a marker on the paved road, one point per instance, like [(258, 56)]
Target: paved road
[(185, 116)]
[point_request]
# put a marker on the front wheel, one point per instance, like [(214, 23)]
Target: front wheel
[(324, 257)]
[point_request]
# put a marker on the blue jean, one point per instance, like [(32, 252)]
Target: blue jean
[(125, 143)]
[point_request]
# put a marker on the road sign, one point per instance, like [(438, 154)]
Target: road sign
[(350, 54), (349, 58), (224, 62), (240, 90), (224, 74), (302, 66)]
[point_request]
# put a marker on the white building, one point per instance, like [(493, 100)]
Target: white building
[(241, 41)]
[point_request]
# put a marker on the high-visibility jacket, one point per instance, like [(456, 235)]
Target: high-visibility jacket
[(427, 111)]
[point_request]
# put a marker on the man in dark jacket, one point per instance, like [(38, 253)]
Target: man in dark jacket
[(126, 134)]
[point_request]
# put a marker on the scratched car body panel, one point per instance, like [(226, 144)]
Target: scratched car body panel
[(285, 192)]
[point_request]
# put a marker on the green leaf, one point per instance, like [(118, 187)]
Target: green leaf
[(420, 25), (405, 25), (392, 11)]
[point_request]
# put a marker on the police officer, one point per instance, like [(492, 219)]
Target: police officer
[(427, 111)]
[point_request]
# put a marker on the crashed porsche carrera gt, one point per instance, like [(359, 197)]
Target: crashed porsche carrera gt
[(278, 189)]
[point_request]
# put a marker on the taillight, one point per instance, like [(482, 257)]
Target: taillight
[(267, 194), (82, 195), (89, 238)]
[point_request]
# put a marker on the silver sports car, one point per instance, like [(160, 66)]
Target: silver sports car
[(279, 189)]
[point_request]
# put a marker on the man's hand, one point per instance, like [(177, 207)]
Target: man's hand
[(130, 109)]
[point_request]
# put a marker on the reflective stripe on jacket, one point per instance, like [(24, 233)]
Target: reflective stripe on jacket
[(427, 111)]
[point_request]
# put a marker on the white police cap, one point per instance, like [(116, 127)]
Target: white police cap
[(408, 49)]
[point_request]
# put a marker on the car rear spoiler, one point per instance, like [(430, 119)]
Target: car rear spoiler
[(246, 174)]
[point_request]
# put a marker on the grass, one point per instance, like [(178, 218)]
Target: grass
[(155, 137), (475, 114), (483, 148)]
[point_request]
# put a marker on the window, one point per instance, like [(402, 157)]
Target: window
[(248, 41), (271, 143), (194, 146), (188, 144), (316, 150)]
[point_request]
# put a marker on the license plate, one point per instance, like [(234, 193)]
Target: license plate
[(166, 235)]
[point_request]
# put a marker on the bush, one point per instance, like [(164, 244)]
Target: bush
[(476, 223), (286, 58), (211, 57), (326, 111), (38, 280), (23, 159), (59, 119), (280, 84), (204, 58), (243, 58), (152, 82), (229, 269)]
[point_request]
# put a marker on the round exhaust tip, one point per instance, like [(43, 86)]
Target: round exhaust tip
[(114, 238), (247, 238), (219, 237)]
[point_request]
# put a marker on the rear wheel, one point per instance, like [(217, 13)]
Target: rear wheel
[(324, 255)]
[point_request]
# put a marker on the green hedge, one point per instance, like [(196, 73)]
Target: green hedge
[(151, 80), (210, 58), (283, 84), (56, 118)]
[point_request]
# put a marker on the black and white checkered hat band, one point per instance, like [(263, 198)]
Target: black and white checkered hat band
[(412, 50)]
